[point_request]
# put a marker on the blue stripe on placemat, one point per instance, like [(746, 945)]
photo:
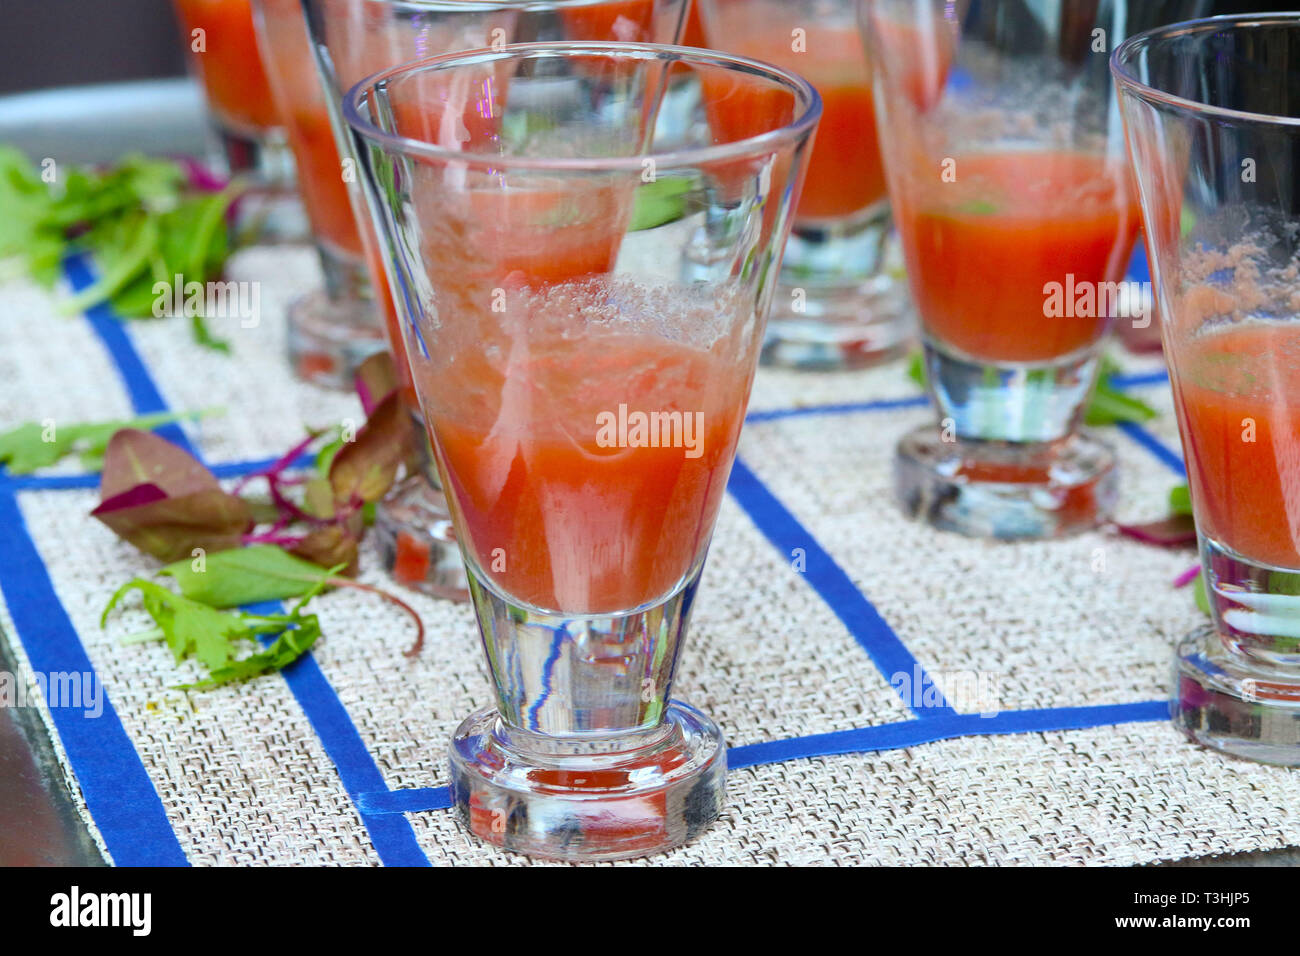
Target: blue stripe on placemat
[(233, 469), (114, 783), (829, 580), (50, 483), (907, 733), (1140, 379), (144, 394), (1163, 453), (412, 800), (393, 837), (911, 733)]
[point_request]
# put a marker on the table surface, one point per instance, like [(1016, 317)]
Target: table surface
[(39, 818), (87, 124)]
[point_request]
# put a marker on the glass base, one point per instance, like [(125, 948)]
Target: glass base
[(1231, 704), (839, 327), (417, 541), (1005, 490), (328, 339), (579, 799), (268, 209)]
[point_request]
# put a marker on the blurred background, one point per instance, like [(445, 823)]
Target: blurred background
[(67, 42)]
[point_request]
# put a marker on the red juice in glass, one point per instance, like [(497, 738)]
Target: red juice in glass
[(838, 306), (1238, 395), (225, 56), (693, 35), (301, 99), (983, 249), (515, 396), (845, 174)]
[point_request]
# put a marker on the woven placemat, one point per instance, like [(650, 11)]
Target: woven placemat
[(821, 611)]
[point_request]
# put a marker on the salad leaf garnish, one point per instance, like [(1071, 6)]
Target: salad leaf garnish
[(139, 220), (34, 445), (659, 202), (214, 638), (163, 500)]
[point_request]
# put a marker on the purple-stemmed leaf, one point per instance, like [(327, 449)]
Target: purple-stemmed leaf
[(161, 499), (365, 468), (1177, 531), (375, 379), (332, 545)]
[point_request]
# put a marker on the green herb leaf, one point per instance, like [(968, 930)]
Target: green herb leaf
[(215, 638), (916, 368), (661, 201), (1200, 595), (979, 207), (1109, 406), (33, 445), (292, 643), (133, 218), (188, 627), (204, 337), (139, 243), (258, 572)]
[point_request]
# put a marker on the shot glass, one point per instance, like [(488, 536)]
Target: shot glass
[(1013, 198), (584, 379), (1212, 109), (332, 331), (353, 39), (223, 55), (839, 306)]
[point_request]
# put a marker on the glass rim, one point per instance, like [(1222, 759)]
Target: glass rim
[(804, 122), (1128, 82)]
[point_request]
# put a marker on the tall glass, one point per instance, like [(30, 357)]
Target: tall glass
[(330, 332), (1011, 190), (222, 51), (1213, 116), (353, 39), (838, 305), (584, 377)]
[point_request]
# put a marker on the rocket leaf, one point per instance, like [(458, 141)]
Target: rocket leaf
[(215, 638)]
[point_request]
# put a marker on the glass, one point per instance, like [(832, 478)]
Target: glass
[(584, 376), (353, 39), (222, 51), (331, 332), (838, 305), (1014, 203), (1213, 116)]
